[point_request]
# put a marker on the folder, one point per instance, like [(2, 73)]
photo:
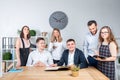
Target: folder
[(16, 70)]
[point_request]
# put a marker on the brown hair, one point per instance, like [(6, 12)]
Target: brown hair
[(92, 22), (53, 38), (69, 40), (39, 38), (110, 38), (22, 34)]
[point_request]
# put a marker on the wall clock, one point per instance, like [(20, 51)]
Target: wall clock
[(58, 20)]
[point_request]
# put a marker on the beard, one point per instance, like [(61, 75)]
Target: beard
[(93, 33)]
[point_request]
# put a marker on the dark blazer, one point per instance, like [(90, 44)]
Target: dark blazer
[(79, 59)]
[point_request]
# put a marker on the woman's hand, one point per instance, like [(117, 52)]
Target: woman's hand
[(18, 64), (99, 59), (54, 47)]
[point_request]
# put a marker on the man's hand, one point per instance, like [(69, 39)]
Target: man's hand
[(53, 65), (39, 64)]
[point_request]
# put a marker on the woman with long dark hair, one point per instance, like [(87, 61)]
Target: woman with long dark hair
[(23, 47)]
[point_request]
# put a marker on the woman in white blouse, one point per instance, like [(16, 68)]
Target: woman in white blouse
[(56, 46)]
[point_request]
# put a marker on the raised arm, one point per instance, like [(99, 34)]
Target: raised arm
[(50, 47)]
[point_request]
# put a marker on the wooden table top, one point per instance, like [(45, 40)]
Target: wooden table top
[(38, 73)]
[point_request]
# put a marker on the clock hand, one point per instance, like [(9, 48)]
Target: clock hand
[(55, 18), (61, 19)]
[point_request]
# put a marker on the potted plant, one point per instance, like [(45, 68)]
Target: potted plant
[(7, 56), (75, 70), (32, 32)]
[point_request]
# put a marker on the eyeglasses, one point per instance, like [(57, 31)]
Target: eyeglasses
[(104, 32)]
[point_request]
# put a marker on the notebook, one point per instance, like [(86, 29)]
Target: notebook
[(60, 68)]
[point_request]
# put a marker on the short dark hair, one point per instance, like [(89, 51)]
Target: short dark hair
[(69, 40), (39, 38), (92, 22)]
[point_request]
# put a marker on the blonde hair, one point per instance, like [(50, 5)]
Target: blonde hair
[(53, 38), (110, 37)]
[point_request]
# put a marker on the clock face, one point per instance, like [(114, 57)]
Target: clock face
[(58, 20)]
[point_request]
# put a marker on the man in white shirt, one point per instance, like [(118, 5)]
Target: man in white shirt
[(40, 57), (91, 43)]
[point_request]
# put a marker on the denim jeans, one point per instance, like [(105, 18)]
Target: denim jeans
[(92, 61)]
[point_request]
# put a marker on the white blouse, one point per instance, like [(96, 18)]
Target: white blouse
[(57, 52)]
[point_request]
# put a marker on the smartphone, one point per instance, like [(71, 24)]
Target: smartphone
[(102, 57), (95, 56)]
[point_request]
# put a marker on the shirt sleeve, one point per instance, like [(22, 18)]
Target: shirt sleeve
[(29, 61), (83, 61), (62, 61), (50, 59), (85, 48), (50, 48)]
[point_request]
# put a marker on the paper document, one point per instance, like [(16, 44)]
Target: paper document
[(56, 68)]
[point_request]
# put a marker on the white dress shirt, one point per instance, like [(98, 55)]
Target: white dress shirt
[(35, 56), (71, 58), (90, 44), (57, 52)]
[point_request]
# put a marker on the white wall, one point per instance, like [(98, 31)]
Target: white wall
[(0, 66), (0, 61), (35, 13)]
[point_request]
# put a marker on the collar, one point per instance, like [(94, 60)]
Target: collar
[(39, 51)]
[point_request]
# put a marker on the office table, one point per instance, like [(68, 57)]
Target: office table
[(38, 73)]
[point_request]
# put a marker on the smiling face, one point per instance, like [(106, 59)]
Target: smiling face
[(41, 44), (71, 46), (56, 33), (104, 33), (93, 29)]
